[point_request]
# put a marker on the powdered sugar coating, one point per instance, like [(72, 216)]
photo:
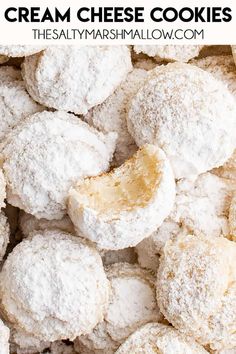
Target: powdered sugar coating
[(29, 223), (222, 67), (180, 109), (132, 303), (15, 102), (53, 286), (111, 114), (74, 78), (4, 338), (141, 193), (19, 50), (201, 208), (181, 53), (45, 155), (155, 338), (196, 289)]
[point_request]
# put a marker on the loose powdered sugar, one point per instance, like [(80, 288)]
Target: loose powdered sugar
[(45, 155), (74, 78), (53, 286), (180, 109)]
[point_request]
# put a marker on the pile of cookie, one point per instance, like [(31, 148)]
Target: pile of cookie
[(118, 199)]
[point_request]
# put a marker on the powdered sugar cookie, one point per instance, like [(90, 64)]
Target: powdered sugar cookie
[(29, 223), (53, 286), (119, 209), (132, 303), (4, 338), (19, 50), (111, 114), (15, 102), (74, 78), (157, 338), (180, 109), (45, 155), (201, 208), (196, 289), (182, 53), (222, 67)]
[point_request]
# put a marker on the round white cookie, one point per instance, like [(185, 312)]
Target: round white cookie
[(74, 78), (19, 50), (181, 53), (132, 303), (15, 102), (45, 155), (157, 338), (180, 109), (119, 209), (53, 286), (196, 289)]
